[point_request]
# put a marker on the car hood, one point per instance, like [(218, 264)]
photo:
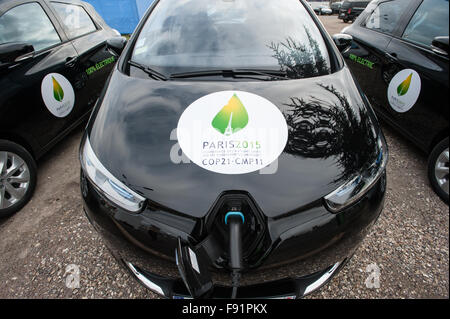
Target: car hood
[(331, 137)]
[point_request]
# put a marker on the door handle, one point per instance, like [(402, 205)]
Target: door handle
[(392, 56), (71, 61)]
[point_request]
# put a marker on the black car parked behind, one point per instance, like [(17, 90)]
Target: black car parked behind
[(400, 57), (351, 9), (53, 65)]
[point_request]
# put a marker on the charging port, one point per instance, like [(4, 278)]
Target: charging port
[(234, 220)]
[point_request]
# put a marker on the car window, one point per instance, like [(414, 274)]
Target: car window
[(429, 21), (75, 18), (28, 23), (233, 34), (386, 16)]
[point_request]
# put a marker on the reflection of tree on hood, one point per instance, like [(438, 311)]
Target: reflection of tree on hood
[(300, 60), (320, 129)]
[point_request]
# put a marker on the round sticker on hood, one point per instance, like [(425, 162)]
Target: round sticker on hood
[(404, 90), (232, 132), (58, 95)]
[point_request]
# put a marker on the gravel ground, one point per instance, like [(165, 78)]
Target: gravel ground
[(409, 244)]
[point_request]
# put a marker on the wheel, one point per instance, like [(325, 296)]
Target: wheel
[(345, 20), (438, 166), (17, 177)]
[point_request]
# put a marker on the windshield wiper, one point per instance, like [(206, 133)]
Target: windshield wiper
[(233, 73), (154, 74)]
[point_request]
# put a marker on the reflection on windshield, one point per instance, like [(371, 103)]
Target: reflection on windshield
[(322, 129), (300, 60), (215, 34)]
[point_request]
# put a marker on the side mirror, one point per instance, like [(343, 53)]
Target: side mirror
[(11, 53), (116, 32), (342, 41), (116, 44), (440, 45)]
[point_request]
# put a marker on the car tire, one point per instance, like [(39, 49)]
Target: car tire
[(438, 168), (345, 20), (21, 179)]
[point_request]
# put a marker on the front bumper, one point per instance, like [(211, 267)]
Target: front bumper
[(302, 251), (289, 288)]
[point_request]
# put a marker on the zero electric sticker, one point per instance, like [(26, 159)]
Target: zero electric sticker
[(232, 132), (404, 90), (58, 94), (362, 61)]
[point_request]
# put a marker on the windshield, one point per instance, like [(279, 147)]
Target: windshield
[(195, 35)]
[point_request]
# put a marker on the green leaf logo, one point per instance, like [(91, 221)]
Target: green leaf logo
[(58, 92), (231, 118), (404, 86)]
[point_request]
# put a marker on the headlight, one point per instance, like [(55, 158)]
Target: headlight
[(110, 186), (359, 185)]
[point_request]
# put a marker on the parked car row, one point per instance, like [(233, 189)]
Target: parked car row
[(347, 10), (210, 161)]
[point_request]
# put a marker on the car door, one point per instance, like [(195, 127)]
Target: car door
[(38, 94), (95, 61), (420, 110), (372, 33)]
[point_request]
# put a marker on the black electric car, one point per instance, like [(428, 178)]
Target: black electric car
[(400, 58), (53, 65), (232, 154)]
